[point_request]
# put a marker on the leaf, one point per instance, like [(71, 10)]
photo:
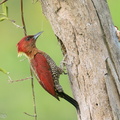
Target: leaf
[(5, 9), (3, 6), (3, 18), (4, 71)]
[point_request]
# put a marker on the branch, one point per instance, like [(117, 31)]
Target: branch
[(3, 1), (33, 93), (32, 84), (22, 16), (12, 81)]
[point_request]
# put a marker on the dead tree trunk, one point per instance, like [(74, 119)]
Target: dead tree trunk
[(87, 36)]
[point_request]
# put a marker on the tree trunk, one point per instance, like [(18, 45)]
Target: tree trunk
[(88, 40)]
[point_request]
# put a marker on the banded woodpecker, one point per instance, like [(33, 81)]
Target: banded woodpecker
[(44, 68)]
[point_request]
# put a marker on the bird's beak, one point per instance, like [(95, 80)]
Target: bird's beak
[(37, 35)]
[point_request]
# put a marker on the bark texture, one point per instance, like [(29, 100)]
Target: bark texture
[(89, 42)]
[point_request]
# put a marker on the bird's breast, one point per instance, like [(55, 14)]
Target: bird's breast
[(43, 73)]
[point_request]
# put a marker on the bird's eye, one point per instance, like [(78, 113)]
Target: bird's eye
[(28, 38)]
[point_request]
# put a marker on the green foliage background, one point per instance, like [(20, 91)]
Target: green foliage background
[(16, 98)]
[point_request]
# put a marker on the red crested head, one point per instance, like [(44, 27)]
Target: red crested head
[(27, 43)]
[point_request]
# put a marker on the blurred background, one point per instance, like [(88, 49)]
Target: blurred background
[(16, 98)]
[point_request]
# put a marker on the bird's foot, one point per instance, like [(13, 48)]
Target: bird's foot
[(117, 33), (63, 63)]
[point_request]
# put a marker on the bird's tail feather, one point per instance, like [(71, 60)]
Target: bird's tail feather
[(69, 99)]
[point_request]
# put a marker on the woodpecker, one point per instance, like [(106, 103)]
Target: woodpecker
[(44, 68)]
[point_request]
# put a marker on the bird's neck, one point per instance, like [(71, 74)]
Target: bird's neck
[(32, 53)]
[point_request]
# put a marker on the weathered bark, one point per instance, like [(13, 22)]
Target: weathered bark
[(87, 36)]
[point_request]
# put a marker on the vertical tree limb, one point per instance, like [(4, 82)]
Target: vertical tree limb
[(88, 38)]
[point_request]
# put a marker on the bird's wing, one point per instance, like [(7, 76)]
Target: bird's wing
[(42, 71)]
